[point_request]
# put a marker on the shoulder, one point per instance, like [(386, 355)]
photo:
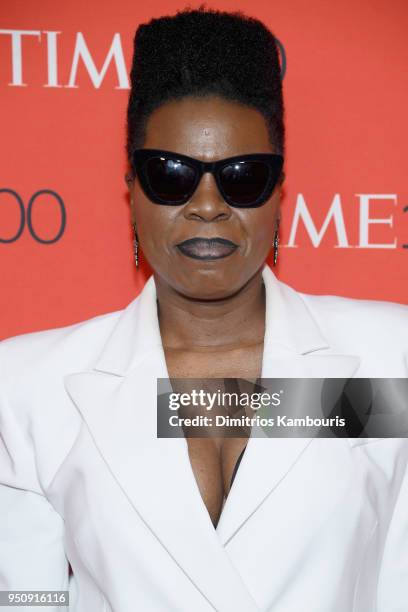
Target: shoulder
[(352, 320), (37, 418), (33, 366), (355, 307), (55, 349)]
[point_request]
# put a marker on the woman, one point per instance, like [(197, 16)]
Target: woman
[(153, 524)]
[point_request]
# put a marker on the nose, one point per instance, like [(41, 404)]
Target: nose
[(207, 203)]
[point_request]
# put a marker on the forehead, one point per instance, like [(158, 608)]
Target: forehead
[(207, 128)]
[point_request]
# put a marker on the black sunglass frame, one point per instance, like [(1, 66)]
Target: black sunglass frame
[(273, 161)]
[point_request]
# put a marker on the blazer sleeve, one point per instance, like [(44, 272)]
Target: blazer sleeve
[(32, 553), (392, 594)]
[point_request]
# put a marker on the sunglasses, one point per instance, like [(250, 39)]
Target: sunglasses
[(244, 181)]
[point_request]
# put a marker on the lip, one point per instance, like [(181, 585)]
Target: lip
[(207, 248)]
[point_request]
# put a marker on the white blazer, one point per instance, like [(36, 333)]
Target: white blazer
[(310, 525)]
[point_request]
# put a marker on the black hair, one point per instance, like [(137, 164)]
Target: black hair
[(202, 52)]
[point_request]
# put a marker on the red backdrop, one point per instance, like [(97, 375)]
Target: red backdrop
[(65, 237)]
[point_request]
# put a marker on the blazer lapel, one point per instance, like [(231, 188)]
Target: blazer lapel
[(117, 400), (294, 347), (267, 461)]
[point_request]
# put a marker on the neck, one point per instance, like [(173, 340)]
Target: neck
[(235, 321)]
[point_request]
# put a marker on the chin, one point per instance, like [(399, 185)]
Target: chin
[(209, 285)]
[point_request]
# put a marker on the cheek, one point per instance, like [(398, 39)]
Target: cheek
[(260, 223), (153, 222)]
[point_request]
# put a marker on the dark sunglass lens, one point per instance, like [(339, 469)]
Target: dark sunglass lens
[(169, 179), (244, 182)]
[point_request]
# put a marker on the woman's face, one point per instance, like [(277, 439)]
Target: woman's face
[(208, 129)]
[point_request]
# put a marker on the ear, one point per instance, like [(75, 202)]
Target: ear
[(129, 179)]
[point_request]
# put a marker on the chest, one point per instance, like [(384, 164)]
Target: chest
[(213, 460)]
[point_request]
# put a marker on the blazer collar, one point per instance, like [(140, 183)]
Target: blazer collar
[(288, 324)]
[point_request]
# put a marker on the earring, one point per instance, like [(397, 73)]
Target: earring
[(135, 245), (276, 243)]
